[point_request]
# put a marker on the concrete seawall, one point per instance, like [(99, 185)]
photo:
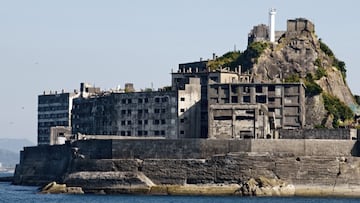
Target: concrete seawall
[(138, 165)]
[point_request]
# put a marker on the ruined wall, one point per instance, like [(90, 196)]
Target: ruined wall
[(258, 33), (306, 147), (338, 134), (300, 24), (42, 164), (176, 149)]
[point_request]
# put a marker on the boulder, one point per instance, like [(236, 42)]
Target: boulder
[(263, 186), (54, 188)]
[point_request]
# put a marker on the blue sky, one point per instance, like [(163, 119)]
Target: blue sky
[(54, 45)]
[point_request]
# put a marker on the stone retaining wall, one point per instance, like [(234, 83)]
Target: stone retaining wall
[(334, 134), (195, 161)]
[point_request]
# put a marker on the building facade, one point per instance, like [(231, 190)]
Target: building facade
[(54, 109), (189, 109), (200, 70), (127, 114), (256, 110)]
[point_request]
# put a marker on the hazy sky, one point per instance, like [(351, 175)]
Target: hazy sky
[(54, 45)]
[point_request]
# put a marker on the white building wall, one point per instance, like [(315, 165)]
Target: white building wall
[(189, 109)]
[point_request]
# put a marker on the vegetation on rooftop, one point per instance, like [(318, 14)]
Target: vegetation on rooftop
[(245, 59), (226, 60)]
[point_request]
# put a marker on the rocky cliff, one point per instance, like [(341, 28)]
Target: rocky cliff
[(299, 55)]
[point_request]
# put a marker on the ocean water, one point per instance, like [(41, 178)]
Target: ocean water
[(13, 193)]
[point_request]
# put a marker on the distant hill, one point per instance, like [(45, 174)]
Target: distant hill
[(14, 145), (10, 150), (8, 158)]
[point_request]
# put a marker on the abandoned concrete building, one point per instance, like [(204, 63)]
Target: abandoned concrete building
[(127, 114), (200, 70), (294, 26), (217, 104), (254, 110), (202, 103), (165, 113), (54, 110)]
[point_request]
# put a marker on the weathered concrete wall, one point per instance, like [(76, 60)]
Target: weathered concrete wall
[(42, 164), (176, 149), (94, 149), (197, 161), (338, 134), (306, 147), (236, 168)]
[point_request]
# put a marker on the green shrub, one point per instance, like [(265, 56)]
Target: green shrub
[(318, 62), (326, 49), (293, 78), (337, 108), (250, 56), (319, 126), (340, 65), (226, 60), (246, 59), (312, 88), (320, 72)]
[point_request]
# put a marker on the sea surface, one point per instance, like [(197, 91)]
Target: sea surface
[(13, 193)]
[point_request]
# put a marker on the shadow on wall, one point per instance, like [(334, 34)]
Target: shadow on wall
[(355, 151)]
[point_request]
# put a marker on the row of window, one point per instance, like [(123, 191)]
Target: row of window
[(144, 122), (53, 108), (246, 99), (59, 115), (142, 111), (145, 100), (143, 133), (53, 100), (44, 131), (53, 123), (258, 89)]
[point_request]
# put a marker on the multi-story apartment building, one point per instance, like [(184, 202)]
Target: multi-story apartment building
[(54, 109), (200, 70), (238, 110), (152, 113)]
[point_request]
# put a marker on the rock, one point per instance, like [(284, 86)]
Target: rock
[(263, 186), (54, 188), (74, 190), (195, 189), (111, 182), (300, 55), (288, 190)]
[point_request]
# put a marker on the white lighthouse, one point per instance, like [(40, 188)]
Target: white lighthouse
[(272, 13)]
